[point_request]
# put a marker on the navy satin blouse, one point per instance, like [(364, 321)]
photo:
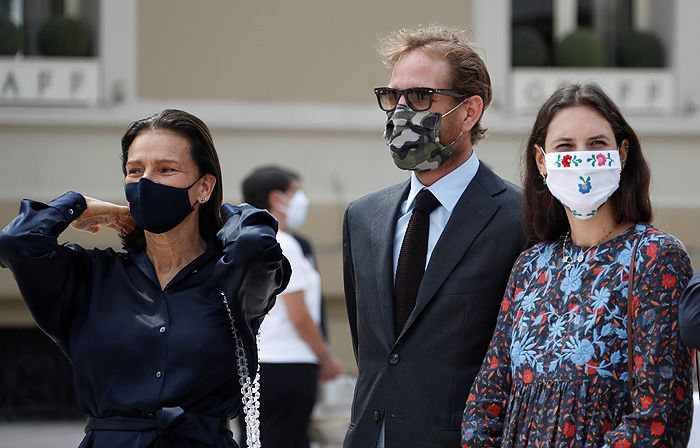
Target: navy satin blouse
[(150, 366)]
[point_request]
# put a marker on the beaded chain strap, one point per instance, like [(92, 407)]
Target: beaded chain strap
[(250, 390)]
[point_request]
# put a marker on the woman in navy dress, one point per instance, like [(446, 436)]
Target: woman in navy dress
[(557, 372), (157, 358)]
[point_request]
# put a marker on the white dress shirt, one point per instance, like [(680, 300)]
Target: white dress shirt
[(447, 190)]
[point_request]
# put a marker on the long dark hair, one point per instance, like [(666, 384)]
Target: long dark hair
[(202, 151), (544, 217)]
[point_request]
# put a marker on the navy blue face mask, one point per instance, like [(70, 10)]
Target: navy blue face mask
[(157, 208)]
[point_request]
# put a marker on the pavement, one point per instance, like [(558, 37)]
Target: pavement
[(329, 423), (41, 434), (59, 435), (69, 434)]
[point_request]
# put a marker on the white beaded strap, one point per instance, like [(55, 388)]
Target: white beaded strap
[(250, 391)]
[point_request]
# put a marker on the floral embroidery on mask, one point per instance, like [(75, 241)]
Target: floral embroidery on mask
[(567, 160), (600, 159), (585, 186)]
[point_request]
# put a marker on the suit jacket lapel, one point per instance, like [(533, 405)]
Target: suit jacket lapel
[(473, 211), (386, 215)]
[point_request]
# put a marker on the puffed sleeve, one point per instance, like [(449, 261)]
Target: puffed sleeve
[(52, 278), (487, 403), (252, 270), (662, 404)]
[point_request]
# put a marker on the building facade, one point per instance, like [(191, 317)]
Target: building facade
[(290, 83)]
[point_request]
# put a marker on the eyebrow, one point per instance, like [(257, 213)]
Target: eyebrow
[(563, 139), (569, 139), (135, 161)]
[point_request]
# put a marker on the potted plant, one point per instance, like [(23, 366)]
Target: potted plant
[(528, 48), (640, 49), (10, 37), (581, 48), (64, 36)]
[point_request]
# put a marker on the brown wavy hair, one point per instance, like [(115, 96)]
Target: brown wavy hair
[(202, 151), (544, 217), (469, 73)]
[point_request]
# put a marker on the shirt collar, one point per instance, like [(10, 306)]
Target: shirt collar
[(141, 260), (449, 188)]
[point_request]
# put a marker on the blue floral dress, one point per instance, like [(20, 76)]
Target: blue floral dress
[(555, 374)]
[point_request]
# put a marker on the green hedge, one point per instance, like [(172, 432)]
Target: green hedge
[(63, 36), (582, 48), (640, 49), (10, 37), (528, 48)]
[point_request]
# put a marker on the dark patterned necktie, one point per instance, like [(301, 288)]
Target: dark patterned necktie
[(411, 265)]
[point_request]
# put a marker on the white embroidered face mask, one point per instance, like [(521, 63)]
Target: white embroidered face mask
[(583, 180)]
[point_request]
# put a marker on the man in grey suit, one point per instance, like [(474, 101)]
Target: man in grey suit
[(426, 262)]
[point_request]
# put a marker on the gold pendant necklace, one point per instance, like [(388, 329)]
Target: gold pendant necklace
[(570, 260)]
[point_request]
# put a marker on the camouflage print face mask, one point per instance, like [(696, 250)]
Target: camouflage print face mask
[(414, 138)]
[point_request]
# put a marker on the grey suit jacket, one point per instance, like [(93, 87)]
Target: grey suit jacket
[(417, 382), (689, 313)]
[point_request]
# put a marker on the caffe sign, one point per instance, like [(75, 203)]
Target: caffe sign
[(48, 82), (636, 91)]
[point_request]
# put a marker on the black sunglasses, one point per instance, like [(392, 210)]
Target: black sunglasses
[(417, 98)]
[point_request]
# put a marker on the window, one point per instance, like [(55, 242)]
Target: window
[(44, 23), (532, 33), (54, 43), (590, 33)]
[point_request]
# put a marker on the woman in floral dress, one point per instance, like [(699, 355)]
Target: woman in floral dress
[(556, 373)]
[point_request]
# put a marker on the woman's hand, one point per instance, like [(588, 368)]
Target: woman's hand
[(101, 213)]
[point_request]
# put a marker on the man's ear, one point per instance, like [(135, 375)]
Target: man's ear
[(474, 107), (275, 200)]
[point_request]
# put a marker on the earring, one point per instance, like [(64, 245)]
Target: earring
[(544, 179)]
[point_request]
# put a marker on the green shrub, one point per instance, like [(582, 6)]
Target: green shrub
[(582, 48), (528, 48), (640, 49), (63, 36), (10, 37)]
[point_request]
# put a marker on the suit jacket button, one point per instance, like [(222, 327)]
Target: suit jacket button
[(394, 359), (377, 416)]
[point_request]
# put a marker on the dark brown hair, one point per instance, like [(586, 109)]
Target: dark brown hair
[(469, 72), (202, 151), (544, 217), (256, 187)]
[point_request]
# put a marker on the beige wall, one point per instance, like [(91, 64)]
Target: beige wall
[(271, 50), (245, 55), (338, 167)]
